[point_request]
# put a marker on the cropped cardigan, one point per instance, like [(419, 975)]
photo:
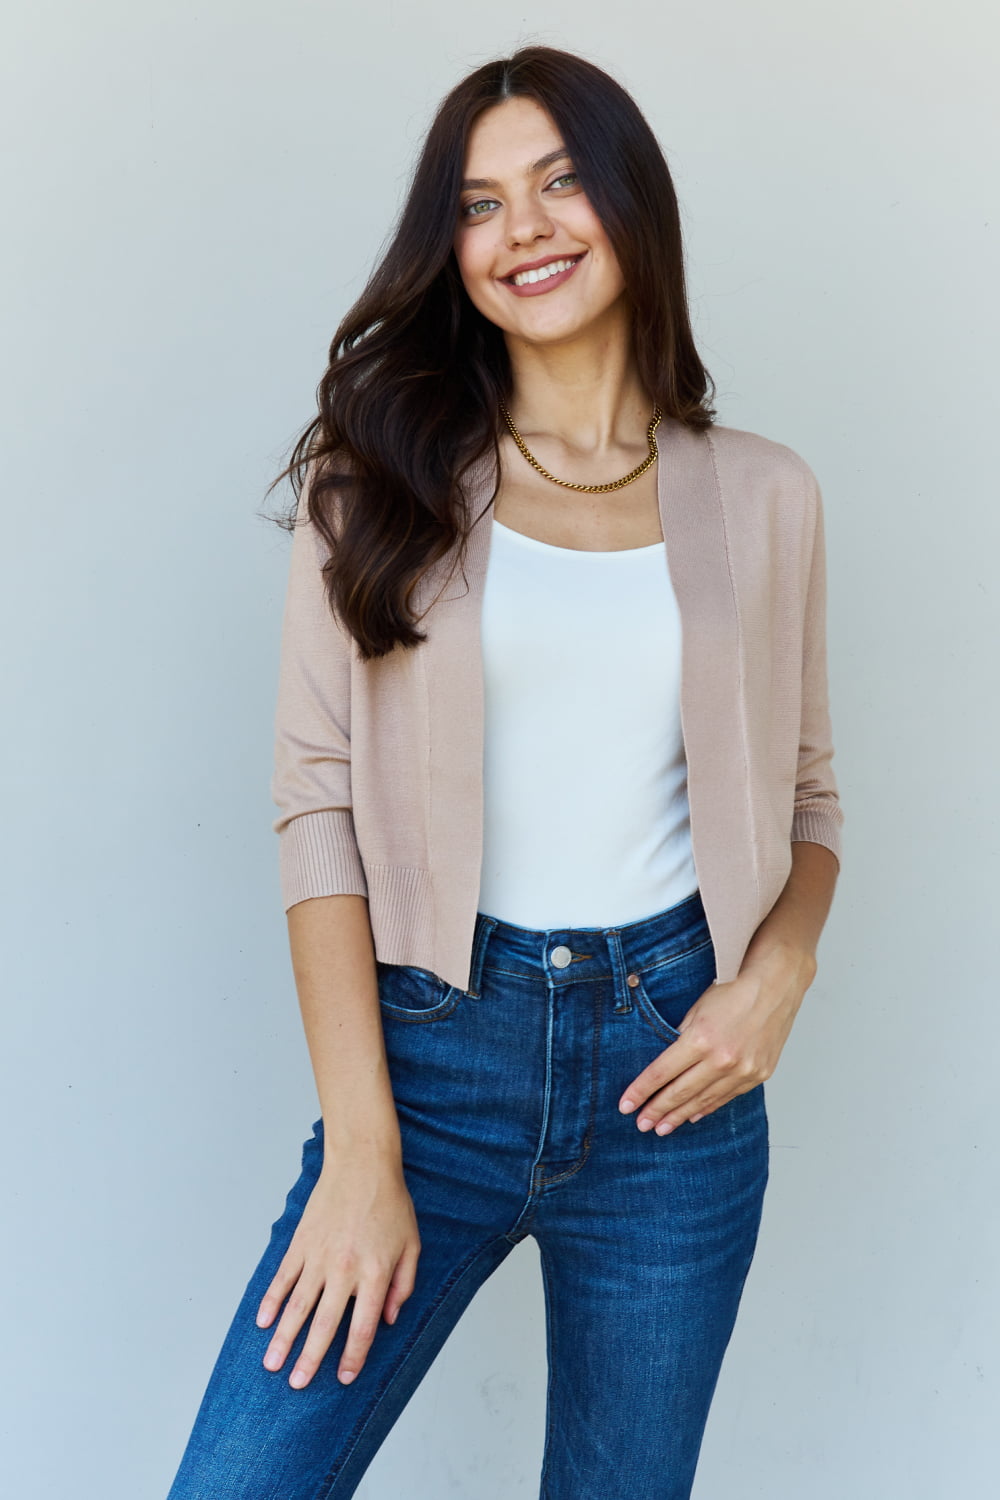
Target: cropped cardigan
[(378, 766)]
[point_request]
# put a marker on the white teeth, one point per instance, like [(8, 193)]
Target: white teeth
[(543, 272)]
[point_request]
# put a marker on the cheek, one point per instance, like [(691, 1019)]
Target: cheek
[(474, 261), (614, 278), (584, 227), (607, 261), (607, 283)]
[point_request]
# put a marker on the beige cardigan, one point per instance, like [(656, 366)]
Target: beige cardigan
[(378, 765)]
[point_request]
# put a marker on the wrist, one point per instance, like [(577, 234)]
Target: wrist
[(778, 958), (373, 1138)]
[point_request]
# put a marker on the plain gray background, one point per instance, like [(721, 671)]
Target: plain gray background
[(193, 195)]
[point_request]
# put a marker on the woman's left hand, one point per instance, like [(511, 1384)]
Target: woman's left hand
[(730, 1041)]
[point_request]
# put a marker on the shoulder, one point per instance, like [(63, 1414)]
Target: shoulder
[(760, 456), (755, 471)]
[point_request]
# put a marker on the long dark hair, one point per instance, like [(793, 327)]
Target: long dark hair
[(411, 395)]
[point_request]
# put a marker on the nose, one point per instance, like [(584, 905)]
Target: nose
[(527, 222)]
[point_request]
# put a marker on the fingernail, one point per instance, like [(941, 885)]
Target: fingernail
[(298, 1378), (626, 1105), (272, 1360), (664, 1128), (645, 1124), (346, 1376)]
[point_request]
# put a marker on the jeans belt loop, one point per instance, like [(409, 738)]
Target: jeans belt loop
[(484, 927), (623, 1000)]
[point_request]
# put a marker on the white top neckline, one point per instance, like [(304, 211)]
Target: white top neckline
[(533, 541)]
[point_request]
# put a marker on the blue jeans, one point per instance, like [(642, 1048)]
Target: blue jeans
[(507, 1096)]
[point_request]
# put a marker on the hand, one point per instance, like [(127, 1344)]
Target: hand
[(357, 1236), (730, 1041)]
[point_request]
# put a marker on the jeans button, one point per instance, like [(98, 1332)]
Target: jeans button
[(561, 956)]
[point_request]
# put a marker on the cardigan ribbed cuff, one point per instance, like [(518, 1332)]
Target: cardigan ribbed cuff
[(318, 856), (814, 825)]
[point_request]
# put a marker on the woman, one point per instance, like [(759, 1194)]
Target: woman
[(555, 868)]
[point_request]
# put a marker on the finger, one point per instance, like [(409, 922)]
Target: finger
[(705, 1104), (696, 1081), (284, 1279), (667, 1065), (694, 1110), (402, 1283), (708, 1105), (301, 1301), (327, 1318), (364, 1325)]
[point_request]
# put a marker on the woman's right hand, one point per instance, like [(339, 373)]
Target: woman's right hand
[(357, 1236)]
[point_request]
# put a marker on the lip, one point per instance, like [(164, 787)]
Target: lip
[(535, 288)]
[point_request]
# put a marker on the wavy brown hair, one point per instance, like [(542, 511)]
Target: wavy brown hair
[(411, 394)]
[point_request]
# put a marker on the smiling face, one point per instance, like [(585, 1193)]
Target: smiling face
[(531, 251)]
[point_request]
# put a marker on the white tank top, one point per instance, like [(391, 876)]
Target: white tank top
[(586, 820)]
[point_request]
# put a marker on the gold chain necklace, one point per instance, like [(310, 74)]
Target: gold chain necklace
[(591, 489)]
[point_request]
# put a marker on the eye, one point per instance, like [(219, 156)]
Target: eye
[(565, 177), (484, 203)]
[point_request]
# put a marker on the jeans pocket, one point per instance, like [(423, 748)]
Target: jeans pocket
[(667, 990), (407, 993)]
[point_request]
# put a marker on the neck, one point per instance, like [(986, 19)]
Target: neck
[(584, 392)]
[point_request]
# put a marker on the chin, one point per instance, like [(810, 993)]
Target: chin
[(557, 332)]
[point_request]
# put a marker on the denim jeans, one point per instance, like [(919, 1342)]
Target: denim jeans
[(507, 1096)]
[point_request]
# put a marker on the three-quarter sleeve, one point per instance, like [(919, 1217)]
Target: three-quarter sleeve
[(818, 816), (311, 783)]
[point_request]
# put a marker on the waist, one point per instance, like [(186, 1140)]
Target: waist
[(565, 955)]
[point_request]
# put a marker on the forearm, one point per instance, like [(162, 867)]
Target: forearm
[(333, 959), (790, 933)]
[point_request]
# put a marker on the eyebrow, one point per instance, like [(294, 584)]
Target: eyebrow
[(536, 166)]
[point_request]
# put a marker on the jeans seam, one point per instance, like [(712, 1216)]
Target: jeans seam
[(532, 976), (647, 1010), (550, 1350), (588, 1134), (420, 1017), (675, 957)]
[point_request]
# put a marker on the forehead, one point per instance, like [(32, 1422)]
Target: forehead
[(509, 137)]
